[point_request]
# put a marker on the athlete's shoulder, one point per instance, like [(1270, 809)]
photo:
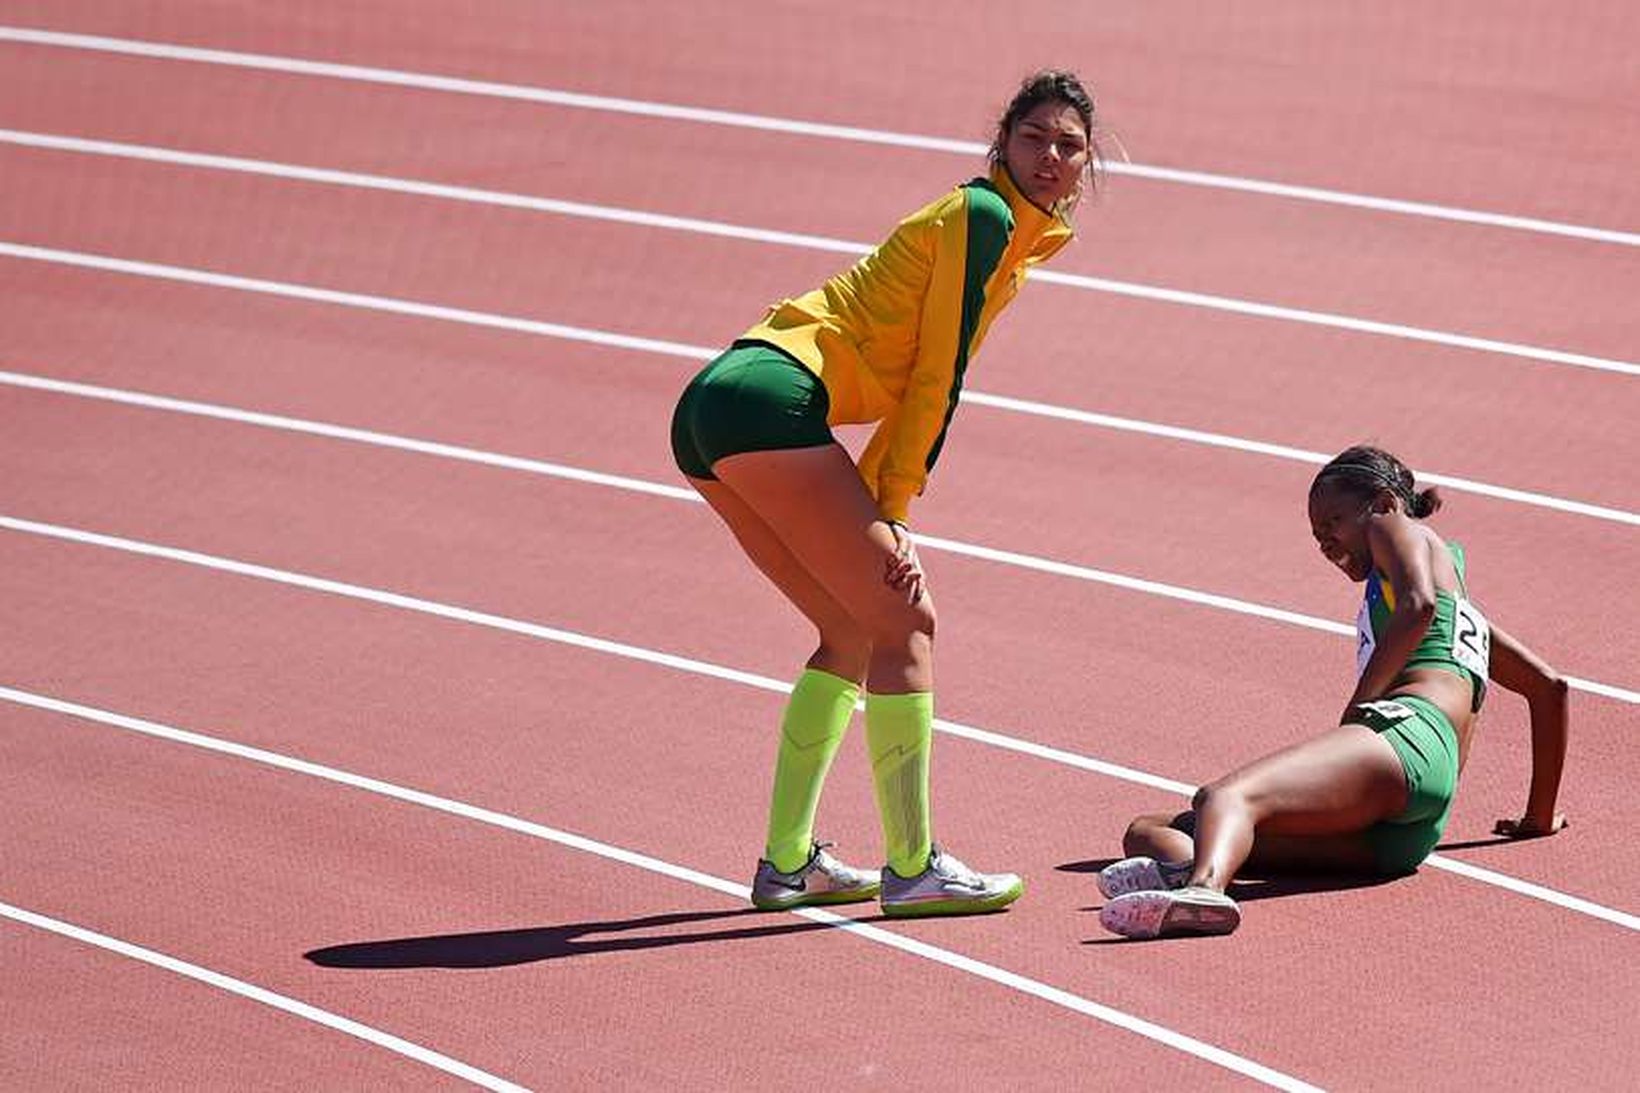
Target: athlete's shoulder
[(987, 208), (979, 200)]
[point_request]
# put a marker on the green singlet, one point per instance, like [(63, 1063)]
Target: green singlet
[(1458, 641)]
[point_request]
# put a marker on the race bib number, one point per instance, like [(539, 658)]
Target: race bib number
[(1471, 637), (1364, 641)]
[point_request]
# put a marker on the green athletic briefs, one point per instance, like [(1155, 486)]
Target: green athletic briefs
[(1427, 745), (752, 398)]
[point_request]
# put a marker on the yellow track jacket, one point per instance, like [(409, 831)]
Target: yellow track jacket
[(891, 337)]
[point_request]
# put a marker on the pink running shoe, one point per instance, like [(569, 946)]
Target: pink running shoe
[(1141, 875), (1172, 913)]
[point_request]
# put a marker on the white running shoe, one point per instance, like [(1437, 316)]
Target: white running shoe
[(1142, 875), (1170, 913), (947, 887), (821, 879)]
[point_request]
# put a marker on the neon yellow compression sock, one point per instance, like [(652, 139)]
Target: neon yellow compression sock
[(899, 731), (816, 718)]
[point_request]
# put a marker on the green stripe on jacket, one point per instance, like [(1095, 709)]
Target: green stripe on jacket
[(990, 224)]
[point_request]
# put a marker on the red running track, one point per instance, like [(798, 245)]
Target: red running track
[(556, 967)]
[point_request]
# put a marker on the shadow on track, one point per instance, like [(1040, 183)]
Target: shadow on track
[(1256, 886), (1243, 889), (1477, 844), (500, 948)]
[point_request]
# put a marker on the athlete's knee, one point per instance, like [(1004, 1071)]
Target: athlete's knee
[(899, 622), (844, 650), (1137, 838), (851, 644), (1226, 793)]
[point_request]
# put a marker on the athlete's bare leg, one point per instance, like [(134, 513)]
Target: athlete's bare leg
[(814, 504), (1337, 784), (844, 647)]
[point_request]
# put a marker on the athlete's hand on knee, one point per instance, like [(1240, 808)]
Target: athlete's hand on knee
[(903, 570), (1528, 828)]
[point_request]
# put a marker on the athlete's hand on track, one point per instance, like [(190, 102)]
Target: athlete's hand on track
[(903, 571), (1527, 828)]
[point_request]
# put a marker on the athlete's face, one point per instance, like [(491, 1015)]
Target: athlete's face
[(1338, 521), (1047, 153)]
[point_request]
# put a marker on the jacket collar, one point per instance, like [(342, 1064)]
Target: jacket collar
[(1041, 234)]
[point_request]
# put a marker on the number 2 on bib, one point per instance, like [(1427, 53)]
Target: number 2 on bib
[(1471, 637)]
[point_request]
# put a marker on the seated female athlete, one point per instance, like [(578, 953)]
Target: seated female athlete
[(1373, 794)]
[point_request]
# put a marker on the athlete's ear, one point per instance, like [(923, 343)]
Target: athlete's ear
[(1383, 502)]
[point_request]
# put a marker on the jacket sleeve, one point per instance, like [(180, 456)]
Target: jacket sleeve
[(968, 242)]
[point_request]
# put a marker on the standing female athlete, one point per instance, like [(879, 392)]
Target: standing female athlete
[(1373, 794), (887, 341)]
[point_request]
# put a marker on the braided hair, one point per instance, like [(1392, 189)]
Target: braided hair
[(1363, 470)]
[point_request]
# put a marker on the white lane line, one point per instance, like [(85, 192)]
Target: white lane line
[(554, 634), (1153, 293), (246, 990), (342, 299), (417, 188), (1339, 322), (340, 432), (1193, 596), (1297, 455), (1192, 436), (697, 667), (865, 931), (765, 123), (702, 353), (681, 493), (1527, 888)]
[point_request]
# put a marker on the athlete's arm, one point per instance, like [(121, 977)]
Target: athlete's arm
[(1520, 670), (1401, 554), (966, 244)]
